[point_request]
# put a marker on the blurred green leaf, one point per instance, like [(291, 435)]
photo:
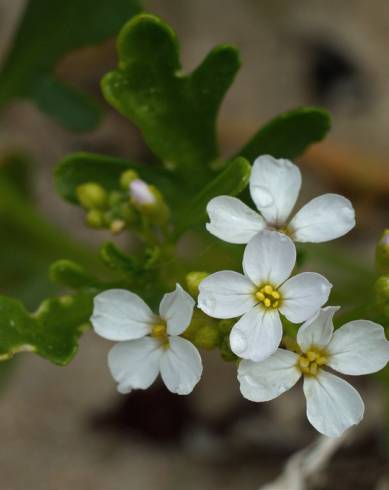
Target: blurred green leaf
[(176, 113), (116, 259), (51, 332), (231, 181), (289, 134), (71, 275), (79, 168), (49, 30)]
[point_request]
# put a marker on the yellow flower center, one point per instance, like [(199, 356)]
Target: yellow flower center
[(310, 362), (268, 296), (159, 332)]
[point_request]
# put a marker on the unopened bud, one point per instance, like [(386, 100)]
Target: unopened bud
[(95, 219), (382, 253), (92, 196), (382, 294), (193, 280), (141, 194), (149, 202), (127, 177), (207, 337), (117, 226)]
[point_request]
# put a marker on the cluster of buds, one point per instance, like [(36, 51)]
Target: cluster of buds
[(132, 205)]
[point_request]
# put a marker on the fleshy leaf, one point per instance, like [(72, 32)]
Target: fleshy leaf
[(176, 113), (49, 30), (51, 332), (289, 134), (231, 181), (79, 168)]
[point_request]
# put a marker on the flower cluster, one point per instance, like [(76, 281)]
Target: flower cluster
[(259, 302)]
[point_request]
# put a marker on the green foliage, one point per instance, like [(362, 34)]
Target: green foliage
[(71, 275), (231, 181), (49, 30), (52, 331), (176, 113), (289, 134)]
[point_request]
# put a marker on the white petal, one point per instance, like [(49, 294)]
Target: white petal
[(302, 296), (324, 218), (226, 294), (333, 405), (257, 334), (119, 314), (264, 381), (359, 347), (269, 258), (181, 366), (317, 331), (135, 364), (232, 220), (177, 309), (274, 187)]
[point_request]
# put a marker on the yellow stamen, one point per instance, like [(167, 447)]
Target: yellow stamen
[(268, 296), (310, 362)]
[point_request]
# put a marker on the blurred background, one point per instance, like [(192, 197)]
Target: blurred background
[(67, 428)]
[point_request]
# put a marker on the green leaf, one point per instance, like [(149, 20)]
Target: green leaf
[(176, 113), (116, 259), (71, 275), (231, 181), (51, 332), (289, 134), (79, 168), (48, 31)]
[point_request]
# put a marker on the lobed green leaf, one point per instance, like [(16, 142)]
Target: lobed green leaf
[(176, 113), (51, 332)]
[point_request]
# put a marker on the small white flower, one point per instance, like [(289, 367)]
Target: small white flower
[(149, 344), (274, 188), (333, 405), (140, 193), (261, 293)]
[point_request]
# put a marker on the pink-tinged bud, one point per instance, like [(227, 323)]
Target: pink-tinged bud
[(141, 194)]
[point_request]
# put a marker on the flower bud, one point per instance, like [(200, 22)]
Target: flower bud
[(92, 196), (149, 202), (382, 294), (117, 226), (207, 337), (193, 280), (95, 219), (382, 253), (127, 177), (141, 194)]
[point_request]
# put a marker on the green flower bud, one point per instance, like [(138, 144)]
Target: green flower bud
[(382, 294), (207, 337), (193, 280), (382, 253), (117, 226), (92, 196), (128, 213), (95, 219), (115, 198), (127, 177)]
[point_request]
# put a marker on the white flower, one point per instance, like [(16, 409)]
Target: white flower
[(274, 188), (149, 344), (261, 293), (333, 405)]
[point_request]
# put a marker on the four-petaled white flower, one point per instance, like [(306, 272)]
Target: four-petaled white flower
[(261, 293), (333, 405), (274, 188), (149, 344)]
